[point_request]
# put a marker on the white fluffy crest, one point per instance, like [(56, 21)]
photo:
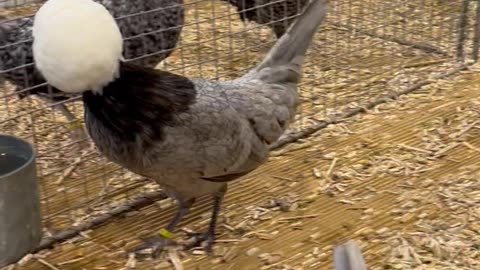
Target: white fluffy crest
[(77, 45)]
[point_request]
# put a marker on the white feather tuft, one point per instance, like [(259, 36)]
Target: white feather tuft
[(77, 45)]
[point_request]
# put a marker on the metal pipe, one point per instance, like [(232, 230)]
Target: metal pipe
[(462, 26), (476, 39)]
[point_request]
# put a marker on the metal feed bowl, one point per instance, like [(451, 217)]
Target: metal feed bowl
[(20, 220)]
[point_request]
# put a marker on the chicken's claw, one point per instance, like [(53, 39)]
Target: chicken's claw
[(157, 244)]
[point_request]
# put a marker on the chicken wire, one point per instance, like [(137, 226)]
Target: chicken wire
[(13, 3), (367, 50)]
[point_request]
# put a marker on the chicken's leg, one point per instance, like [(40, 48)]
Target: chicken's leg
[(76, 127), (78, 132), (157, 243), (209, 236)]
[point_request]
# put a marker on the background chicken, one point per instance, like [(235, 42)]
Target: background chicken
[(192, 136), (147, 50), (276, 14)]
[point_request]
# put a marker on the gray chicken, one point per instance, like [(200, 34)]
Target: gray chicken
[(276, 14), (162, 23), (192, 136)]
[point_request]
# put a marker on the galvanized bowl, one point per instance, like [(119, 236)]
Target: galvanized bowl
[(20, 219)]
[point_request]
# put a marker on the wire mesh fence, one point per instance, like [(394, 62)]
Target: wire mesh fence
[(12, 3), (365, 51)]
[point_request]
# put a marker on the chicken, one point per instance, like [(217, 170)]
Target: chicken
[(192, 136), (276, 14), (164, 18)]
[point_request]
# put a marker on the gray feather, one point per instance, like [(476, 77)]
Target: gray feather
[(290, 50), (192, 135)]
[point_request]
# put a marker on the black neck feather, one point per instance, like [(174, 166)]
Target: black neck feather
[(140, 102), (245, 9)]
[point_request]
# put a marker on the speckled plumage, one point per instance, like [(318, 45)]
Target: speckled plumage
[(276, 14), (165, 15)]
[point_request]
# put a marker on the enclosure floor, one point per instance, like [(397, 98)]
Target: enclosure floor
[(346, 190)]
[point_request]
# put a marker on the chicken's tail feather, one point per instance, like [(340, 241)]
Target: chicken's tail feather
[(292, 46)]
